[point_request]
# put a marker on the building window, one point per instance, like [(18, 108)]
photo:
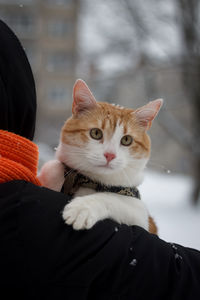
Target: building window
[(58, 94), (19, 2), (59, 28), (24, 25), (59, 62), (59, 2)]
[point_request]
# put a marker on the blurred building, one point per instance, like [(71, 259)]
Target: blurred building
[(47, 30)]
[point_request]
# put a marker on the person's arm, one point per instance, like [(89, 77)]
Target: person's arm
[(107, 261)]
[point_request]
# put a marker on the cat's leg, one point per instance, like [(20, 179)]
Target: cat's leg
[(52, 175), (152, 226), (83, 212)]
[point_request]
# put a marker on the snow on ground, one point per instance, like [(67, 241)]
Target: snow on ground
[(168, 198)]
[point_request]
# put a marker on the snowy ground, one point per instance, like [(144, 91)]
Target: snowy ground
[(168, 199)]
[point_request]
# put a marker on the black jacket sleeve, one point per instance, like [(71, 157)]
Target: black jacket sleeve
[(44, 258)]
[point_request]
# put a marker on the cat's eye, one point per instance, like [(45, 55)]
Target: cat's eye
[(96, 133), (126, 140)]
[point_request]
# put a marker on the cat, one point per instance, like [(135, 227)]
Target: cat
[(109, 145)]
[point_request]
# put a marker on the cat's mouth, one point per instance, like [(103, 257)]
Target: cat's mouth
[(107, 166)]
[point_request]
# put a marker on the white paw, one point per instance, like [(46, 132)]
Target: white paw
[(79, 215)]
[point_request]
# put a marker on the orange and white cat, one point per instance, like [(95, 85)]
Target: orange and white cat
[(109, 144)]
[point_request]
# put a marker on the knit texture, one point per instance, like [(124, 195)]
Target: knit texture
[(18, 158)]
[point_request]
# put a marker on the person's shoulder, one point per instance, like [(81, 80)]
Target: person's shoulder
[(44, 207), (48, 206), (29, 202), (40, 194)]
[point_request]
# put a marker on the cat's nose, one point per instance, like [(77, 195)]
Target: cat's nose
[(109, 156)]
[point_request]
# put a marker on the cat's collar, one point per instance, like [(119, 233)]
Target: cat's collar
[(74, 180)]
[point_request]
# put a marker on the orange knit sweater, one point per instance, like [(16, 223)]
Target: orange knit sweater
[(18, 158)]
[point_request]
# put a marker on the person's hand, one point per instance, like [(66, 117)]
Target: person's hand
[(52, 175)]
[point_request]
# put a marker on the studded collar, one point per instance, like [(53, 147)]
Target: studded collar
[(74, 180)]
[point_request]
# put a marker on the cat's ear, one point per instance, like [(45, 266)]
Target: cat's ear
[(82, 98), (147, 113)]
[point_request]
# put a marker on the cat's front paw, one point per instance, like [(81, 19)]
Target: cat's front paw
[(79, 215)]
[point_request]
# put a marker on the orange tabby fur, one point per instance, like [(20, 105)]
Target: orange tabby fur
[(106, 116), (152, 226)]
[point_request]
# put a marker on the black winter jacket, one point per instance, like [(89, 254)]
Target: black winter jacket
[(43, 258)]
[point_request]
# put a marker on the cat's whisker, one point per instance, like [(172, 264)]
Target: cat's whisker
[(93, 157), (75, 151), (82, 166), (159, 166), (135, 163), (133, 159), (127, 178), (69, 172), (77, 168)]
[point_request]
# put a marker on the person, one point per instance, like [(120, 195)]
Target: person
[(43, 258)]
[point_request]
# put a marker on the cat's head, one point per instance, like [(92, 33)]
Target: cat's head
[(105, 141)]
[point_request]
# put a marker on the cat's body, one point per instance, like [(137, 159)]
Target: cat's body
[(109, 145)]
